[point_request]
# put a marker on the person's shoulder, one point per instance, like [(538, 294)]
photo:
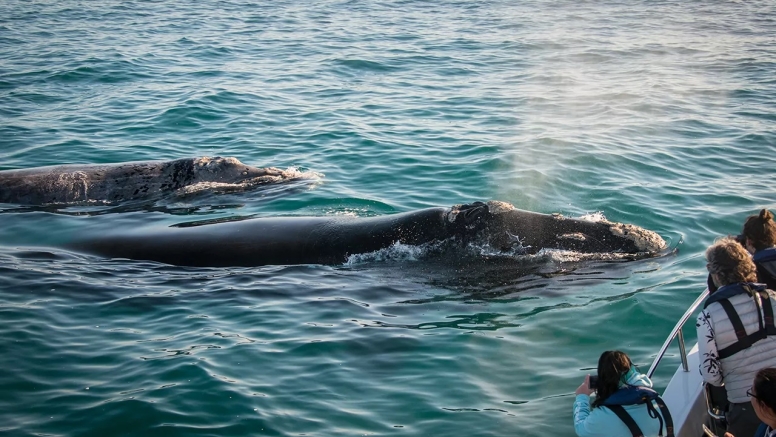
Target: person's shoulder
[(741, 299), (768, 254), (762, 430)]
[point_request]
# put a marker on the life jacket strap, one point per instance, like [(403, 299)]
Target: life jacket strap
[(770, 327), (666, 415), (646, 398), (766, 324), (627, 420)]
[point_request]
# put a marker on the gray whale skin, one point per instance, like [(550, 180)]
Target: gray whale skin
[(83, 183)]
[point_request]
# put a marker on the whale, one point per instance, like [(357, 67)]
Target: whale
[(331, 240), (111, 183)]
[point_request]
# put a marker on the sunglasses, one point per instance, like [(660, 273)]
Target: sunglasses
[(751, 395)]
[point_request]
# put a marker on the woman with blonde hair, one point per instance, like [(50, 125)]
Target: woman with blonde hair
[(736, 332)]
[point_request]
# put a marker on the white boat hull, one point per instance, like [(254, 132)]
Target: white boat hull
[(685, 398)]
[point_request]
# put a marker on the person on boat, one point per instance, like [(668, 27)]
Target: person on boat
[(759, 238), (625, 404), (763, 394), (736, 332)]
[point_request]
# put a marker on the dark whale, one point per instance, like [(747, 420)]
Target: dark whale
[(330, 240), (132, 180)]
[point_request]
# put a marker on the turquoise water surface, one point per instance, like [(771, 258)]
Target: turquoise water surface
[(660, 114)]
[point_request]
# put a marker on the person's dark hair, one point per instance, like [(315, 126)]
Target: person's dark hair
[(612, 365), (765, 388), (730, 262), (761, 230)]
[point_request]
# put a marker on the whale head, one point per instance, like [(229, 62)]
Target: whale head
[(226, 170), (509, 227)]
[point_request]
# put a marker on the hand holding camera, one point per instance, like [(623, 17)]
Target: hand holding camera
[(585, 389)]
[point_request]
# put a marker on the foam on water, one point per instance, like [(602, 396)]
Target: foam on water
[(395, 252)]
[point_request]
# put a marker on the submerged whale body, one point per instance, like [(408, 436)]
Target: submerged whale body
[(331, 240), (132, 180)]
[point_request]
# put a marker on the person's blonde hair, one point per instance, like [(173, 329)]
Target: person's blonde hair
[(728, 259)]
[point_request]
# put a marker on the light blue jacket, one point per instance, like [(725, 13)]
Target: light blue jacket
[(602, 422)]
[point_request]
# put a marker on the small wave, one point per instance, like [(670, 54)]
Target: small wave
[(99, 70), (364, 65)]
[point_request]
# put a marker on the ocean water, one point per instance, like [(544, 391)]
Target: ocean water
[(660, 114)]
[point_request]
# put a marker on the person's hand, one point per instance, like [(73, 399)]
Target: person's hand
[(727, 434), (584, 389)]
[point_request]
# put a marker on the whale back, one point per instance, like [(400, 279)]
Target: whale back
[(332, 239), (81, 183), (271, 240), (111, 183)]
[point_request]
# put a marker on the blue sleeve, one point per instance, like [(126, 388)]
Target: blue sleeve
[(581, 413)]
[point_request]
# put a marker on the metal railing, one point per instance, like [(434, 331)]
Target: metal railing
[(677, 332)]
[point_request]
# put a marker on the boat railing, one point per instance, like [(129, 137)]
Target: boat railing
[(677, 332)]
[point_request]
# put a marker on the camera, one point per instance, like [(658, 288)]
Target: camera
[(593, 384)]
